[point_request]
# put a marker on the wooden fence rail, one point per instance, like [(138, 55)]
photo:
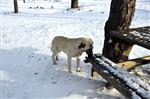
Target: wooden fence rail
[(127, 84)]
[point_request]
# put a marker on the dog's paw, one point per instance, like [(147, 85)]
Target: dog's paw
[(78, 70), (57, 58), (54, 63)]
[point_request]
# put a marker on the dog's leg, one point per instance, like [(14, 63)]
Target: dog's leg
[(54, 58), (69, 64), (57, 57), (78, 65)]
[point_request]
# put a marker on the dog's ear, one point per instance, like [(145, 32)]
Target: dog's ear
[(82, 45)]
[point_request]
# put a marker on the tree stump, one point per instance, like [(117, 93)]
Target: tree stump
[(120, 18)]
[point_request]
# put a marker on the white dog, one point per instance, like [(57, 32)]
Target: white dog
[(73, 47)]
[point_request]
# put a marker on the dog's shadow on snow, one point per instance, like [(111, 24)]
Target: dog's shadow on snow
[(27, 73)]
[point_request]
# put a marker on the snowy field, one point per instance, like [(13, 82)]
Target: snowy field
[(26, 66)]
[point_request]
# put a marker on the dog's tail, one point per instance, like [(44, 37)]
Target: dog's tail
[(52, 48)]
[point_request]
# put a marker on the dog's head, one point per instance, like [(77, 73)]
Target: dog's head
[(86, 44)]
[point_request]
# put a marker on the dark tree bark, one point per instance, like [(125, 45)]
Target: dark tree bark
[(15, 6), (121, 14), (74, 3)]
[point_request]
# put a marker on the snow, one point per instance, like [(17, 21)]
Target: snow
[(134, 96), (26, 66)]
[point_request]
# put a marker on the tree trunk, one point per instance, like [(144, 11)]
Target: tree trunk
[(121, 14), (74, 3), (15, 6)]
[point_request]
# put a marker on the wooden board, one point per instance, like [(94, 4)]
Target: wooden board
[(139, 36), (128, 85), (131, 64)]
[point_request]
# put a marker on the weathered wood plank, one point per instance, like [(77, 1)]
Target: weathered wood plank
[(139, 36), (128, 85), (130, 64), (145, 29), (112, 80)]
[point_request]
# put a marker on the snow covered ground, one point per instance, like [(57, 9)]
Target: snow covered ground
[(26, 66)]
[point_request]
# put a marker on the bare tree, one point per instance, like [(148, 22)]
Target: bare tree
[(15, 6), (74, 4), (120, 17)]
